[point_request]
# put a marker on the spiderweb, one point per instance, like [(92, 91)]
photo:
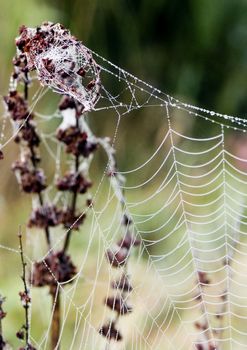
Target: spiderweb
[(187, 200)]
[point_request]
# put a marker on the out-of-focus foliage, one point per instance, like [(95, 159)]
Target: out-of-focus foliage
[(193, 49)]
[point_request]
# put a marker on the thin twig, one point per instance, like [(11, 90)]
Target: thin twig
[(24, 296)]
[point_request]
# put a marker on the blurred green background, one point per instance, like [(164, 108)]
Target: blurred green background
[(193, 50)]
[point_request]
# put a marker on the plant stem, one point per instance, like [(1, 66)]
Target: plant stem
[(74, 198), (55, 326), (40, 196), (34, 162), (26, 83), (26, 290), (73, 208)]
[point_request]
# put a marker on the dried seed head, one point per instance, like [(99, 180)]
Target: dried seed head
[(117, 257), (17, 106), (31, 181), (76, 141), (67, 102), (28, 134), (57, 267), (43, 217), (70, 220), (20, 334), (123, 284), (202, 276), (128, 241), (110, 332), (72, 182), (25, 299), (119, 305)]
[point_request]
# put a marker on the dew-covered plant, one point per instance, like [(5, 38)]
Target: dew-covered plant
[(60, 62)]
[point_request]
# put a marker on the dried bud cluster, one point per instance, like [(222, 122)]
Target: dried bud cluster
[(71, 221), (28, 134), (17, 106), (20, 67), (74, 183), (76, 141), (118, 257), (110, 332), (57, 267), (45, 216), (123, 284), (118, 304), (202, 276), (25, 299), (51, 216), (204, 342), (31, 180)]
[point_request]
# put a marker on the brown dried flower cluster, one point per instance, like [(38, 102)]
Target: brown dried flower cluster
[(204, 342), (57, 267), (118, 258), (31, 180), (110, 332), (118, 255), (73, 183), (17, 106), (76, 141)]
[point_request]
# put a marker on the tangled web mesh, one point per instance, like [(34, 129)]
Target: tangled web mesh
[(186, 200), (61, 61)]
